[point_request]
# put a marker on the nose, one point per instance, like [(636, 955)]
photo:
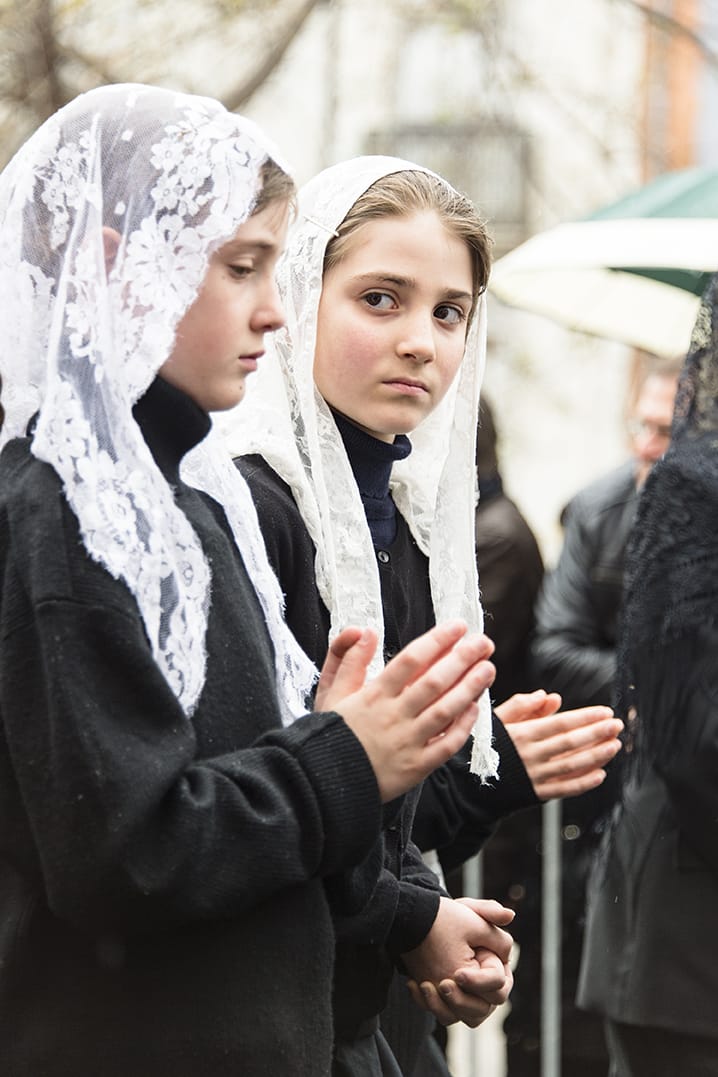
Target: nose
[(269, 313), (416, 339)]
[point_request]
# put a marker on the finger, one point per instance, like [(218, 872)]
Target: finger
[(471, 1009), (466, 663), (566, 732), (525, 705), (487, 979), (492, 911), (561, 788), (345, 666), (443, 727), (579, 761), (417, 994), (433, 1002), (426, 652)]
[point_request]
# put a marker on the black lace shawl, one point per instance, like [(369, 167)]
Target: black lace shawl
[(671, 577)]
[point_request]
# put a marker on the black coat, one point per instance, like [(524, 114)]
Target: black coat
[(651, 948), (162, 907)]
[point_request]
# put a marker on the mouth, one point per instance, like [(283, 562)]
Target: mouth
[(408, 386), (250, 361)]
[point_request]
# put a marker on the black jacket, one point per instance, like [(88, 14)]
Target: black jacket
[(576, 615), (162, 907)]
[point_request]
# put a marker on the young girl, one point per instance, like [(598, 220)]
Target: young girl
[(383, 282), (165, 824)]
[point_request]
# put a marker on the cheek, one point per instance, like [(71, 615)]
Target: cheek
[(451, 365)]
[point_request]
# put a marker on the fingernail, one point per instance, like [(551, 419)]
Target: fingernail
[(445, 990)]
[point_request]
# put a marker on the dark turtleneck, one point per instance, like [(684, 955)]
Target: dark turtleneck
[(171, 424), (371, 462)]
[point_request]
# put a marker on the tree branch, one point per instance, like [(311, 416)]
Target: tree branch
[(673, 26), (238, 97)]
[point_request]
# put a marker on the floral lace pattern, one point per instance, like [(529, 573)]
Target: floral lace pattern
[(173, 177), (285, 419)]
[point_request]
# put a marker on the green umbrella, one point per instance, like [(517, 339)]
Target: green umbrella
[(633, 271)]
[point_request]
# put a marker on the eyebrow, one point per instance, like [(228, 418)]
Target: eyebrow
[(239, 246), (409, 282)]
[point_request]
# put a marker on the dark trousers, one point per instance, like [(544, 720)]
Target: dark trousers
[(638, 1051), (367, 1055)]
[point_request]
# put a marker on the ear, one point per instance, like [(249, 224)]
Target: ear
[(111, 242)]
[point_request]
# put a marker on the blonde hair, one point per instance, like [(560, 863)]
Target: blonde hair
[(401, 194)]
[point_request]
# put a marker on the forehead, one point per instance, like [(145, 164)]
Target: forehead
[(657, 397), (417, 244), (265, 230)]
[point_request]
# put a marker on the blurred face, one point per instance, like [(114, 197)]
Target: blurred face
[(392, 323), (650, 425), (220, 339)]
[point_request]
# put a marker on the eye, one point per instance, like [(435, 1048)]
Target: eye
[(379, 300), (450, 314), (240, 271)]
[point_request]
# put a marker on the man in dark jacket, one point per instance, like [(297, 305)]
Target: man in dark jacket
[(574, 653)]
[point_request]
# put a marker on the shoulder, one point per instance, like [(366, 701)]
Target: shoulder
[(610, 493), (42, 553), (272, 496)]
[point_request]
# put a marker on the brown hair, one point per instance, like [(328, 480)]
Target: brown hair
[(277, 186), (401, 194)]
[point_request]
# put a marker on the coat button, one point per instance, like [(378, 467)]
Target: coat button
[(383, 556)]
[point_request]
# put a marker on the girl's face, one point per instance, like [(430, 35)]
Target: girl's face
[(392, 323), (220, 339)]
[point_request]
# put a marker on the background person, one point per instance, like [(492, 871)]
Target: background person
[(651, 958), (574, 653)]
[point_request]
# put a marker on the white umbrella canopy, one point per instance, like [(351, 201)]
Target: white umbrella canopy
[(632, 272)]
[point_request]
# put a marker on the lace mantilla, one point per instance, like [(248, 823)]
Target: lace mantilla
[(285, 420), (173, 177), (671, 577)]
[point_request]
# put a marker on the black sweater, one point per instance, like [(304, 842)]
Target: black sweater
[(453, 809), (162, 908)]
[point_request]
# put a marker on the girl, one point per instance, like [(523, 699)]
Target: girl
[(383, 282), (165, 824)]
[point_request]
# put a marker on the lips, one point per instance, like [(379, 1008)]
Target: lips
[(408, 385)]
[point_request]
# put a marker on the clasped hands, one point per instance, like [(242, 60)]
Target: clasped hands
[(460, 972)]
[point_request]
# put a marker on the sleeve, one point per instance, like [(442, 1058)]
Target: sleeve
[(510, 574), (127, 820), (569, 654), (457, 814)]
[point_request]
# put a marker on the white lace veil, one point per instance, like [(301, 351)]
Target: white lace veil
[(175, 176), (285, 419)]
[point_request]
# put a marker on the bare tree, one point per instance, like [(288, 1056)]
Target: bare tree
[(51, 50)]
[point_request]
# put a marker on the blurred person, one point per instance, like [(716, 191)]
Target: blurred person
[(650, 964), (510, 566), (574, 653)]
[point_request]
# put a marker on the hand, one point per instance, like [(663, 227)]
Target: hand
[(419, 710), (460, 971), (563, 753)]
